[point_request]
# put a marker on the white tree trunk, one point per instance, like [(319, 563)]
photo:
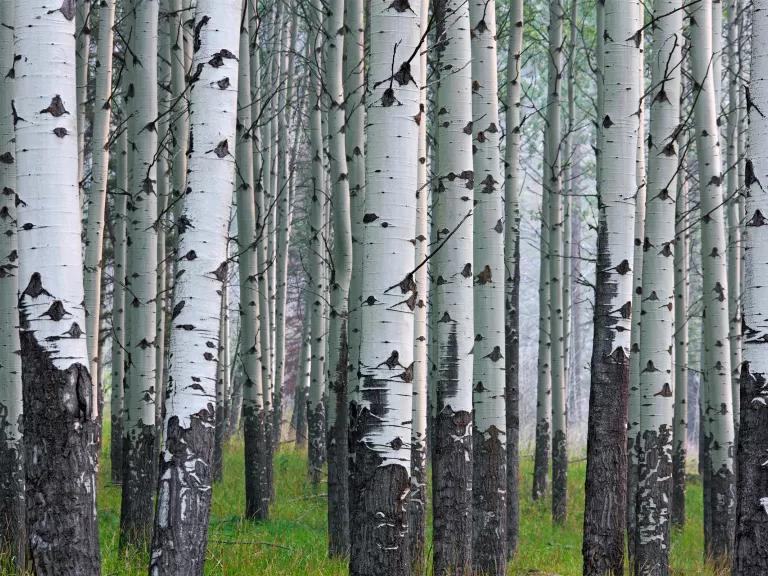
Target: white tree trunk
[(60, 420), (184, 487)]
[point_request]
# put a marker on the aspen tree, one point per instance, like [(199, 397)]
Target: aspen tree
[(382, 407), (139, 429), (452, 472), (658, 296), (60, 408), (184, 487), (97, 194), (605, 506), (82, 56), (489, 554), (716, 361), (512, 273), (12, 514), (752, 519), (304, 373)]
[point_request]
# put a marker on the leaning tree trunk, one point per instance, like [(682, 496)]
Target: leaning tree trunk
[(139, 428), (13, 535), (654, 488), (752, 519), (716, 368), (606, 482), (512, 274), (381, 409), (341, 274), (256, 496), (184, 487), (452, 452), (489, 482), (60, 408), (97, 195)]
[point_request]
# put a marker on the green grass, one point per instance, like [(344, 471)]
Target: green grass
[(293, 541)]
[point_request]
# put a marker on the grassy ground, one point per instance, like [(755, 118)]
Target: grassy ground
[(293, 542)]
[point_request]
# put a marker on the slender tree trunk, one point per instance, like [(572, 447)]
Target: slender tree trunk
[(222, 369), (341, 274), (452, 472), (82, 60), (303, 378), (489, 541), (139, 430), (60, 409), (752, 521), (382, 408), (512, 274), (13, 533), (654, 491), (716, 366), (605, 506), (184, 488)]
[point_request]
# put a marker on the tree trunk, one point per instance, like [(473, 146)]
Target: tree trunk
[(382, 407), (716, 368), (303, 376), (82, 59), (656, 406), (605, 506), (139, 429), (512, 274), (752, 521), (452, 472), (60, 410), (184, 487)]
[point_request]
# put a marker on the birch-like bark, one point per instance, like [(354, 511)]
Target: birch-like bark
[(256, 496), (97, 194), (13, 533), (512, 273), (417, 519), (658, 297), (139, 429), (605, 506), (82, 58), (60, 412), (304, 375), (382, 408), (489, 541), (340, 276), (752, 509), (716, 367), (184, 487), (119, 249), (680, 425), (452, 472)]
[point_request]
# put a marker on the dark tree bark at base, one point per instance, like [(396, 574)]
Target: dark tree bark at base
[(452, 493), (512, 400), (338, 465), (652, 542), (184, 497), (723, 487), (380, 520), (13, 530), (60, 458), (116, 448), (137, 505), (633, 471), (540, 460), (417, 515), (256, 489), (489, 485), (751, 546), (269, 455), (300, 417), (678, 485), (317, 449), (559, 477)]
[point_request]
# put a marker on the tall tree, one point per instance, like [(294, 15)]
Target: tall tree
[(12, 516), (381, 408), (452, 451), (489, 483), (752, 520), (654, 492), (605, 506), (60, 409), (512, 273), (716, 362), (184, 487)]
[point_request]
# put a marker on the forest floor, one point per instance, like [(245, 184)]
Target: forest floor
[(293, 541)]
